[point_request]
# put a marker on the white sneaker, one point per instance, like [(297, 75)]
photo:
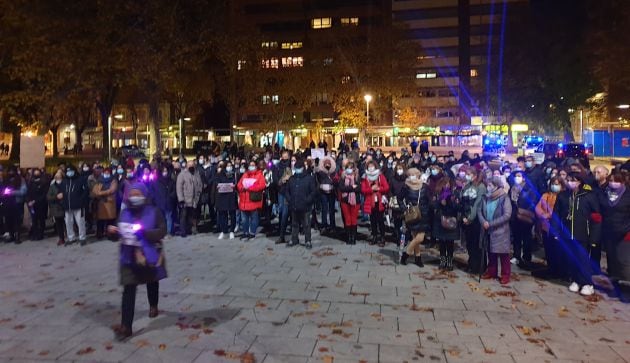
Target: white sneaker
[(221, 235), (574, 287), (587, 290), (231, 235), (514, 261), (236, 229)]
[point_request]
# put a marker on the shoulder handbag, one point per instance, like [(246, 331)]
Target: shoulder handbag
[(393, 204), (413, 214), (525, 215), (449, 223), (255, 196)]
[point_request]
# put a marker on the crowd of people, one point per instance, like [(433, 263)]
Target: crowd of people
[(499, 211)]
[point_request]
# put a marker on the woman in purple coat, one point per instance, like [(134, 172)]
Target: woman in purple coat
[(140, 229)]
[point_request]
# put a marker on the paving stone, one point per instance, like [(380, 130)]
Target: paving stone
[(344, 350), (391, 337), (283, 346)]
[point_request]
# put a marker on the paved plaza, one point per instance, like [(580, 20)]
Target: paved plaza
[(234, 301)]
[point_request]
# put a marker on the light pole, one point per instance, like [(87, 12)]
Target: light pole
[(368, 99), (109, 133), (180, 132)]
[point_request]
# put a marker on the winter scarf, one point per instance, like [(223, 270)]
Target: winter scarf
[(614, 196), (372, 175), (414, 184), (352, 196)]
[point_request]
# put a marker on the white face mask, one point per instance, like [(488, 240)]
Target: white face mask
[(573, 184), (555, 188), (491, 188), (413, 177), (462, 174), (371, 168), (518, 179), (400, 171), (506, 174)]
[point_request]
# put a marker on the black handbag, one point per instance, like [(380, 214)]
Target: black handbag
[(255, 196)]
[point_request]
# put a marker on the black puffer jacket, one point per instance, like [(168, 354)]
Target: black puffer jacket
[(615, 219), (412, 197), (578, 216), (75, 192)]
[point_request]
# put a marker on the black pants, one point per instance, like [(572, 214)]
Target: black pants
[(377, 223), (38, 221), (553, 252), (303, 219), (447, 248), (129, 301), (60, 228), (186, 216), (471, 233), (101, 224), (522, 239)]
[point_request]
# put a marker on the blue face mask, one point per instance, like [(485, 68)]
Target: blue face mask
[(275, 161), (528, 164), (251, 168), (348, 171), (434, 172), (129, 175), (106, 176), (299, 170), (70, 173)]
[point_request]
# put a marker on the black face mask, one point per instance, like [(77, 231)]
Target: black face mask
[(191, 169), (327, 167)]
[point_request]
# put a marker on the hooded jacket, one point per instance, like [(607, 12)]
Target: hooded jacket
[(578, 216), (75, 192)]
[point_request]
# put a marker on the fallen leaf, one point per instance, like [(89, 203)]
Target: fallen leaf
[(337, 331), (314, 306), (260, 304), (453, 352), (563, 312), (5, 320), (43, 353), (530, 303), (207, 331), (248, 358), (109, 346), (377, 316), (78, 303), (323, 349), (19, 327), (142, 343), (84, 351), (525, 330), (489, 351), (328, 359), (162, 347), (467, 323)]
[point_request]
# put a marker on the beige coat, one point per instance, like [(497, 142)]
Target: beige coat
[(105, 201)]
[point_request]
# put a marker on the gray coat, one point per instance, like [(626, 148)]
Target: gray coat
[(499, 241), (188, 187)]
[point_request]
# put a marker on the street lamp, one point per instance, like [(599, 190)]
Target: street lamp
[(623, 107), (368, 99), (180, 132)]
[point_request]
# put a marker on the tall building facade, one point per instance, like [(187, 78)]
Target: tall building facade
[(295, 35), (459, 39)]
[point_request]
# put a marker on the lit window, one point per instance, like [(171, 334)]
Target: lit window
[(270, 63), (321, 23), (345, 79), (421, 75), (266, 100), (474, 72), (292, 62), (240, 64), (275, 99), (269, 45), (328, 61), (294, 45), (431, 75), (349, 21), (425, 57)]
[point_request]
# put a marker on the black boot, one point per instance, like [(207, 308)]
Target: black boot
[(449, 263), (418, 261), (374, 240), (403, 258), (348, 235), (353, 231), (442, 263)]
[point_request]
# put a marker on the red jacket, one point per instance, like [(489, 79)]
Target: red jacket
[(244, 203), (366, 189)]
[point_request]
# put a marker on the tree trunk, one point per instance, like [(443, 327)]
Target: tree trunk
[(16, 132), (78, 132), (155, 142), (105, 111), (55, 141)]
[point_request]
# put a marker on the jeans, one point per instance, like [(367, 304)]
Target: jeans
[(303, 219), (72, 216), (222, 219), (250, 222), (129, 301), (283, 210), (522, 238), (168, 215), (328, 210)]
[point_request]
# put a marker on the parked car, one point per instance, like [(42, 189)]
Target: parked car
[(577, 151), (131, 150)]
